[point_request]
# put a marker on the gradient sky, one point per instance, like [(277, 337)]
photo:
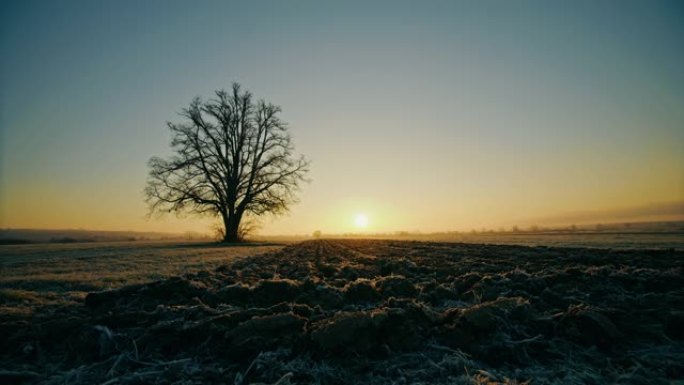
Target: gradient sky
[(422, 115)]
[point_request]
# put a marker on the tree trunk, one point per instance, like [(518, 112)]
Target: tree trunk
[(231, 225)]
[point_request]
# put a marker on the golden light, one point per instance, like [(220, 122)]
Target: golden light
[(361, 221)]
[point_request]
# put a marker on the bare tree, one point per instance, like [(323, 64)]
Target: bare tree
[(232, 156)]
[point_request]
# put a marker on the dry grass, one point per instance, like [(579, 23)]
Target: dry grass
[(46, 275)]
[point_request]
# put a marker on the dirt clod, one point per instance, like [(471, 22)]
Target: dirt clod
[(361, 290), (355, 330), (271, 291), (395, 286)]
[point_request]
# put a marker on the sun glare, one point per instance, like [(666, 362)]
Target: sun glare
[(361, 221)]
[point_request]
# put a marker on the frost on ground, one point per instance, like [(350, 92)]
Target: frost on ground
[(375, 312)]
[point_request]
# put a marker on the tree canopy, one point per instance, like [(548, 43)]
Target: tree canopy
[(232, 156)]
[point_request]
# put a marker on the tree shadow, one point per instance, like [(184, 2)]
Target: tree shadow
[(213, 245)]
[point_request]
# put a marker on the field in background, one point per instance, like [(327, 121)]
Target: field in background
[(645, 235), (630, 235), (54, 274), (612, 240)]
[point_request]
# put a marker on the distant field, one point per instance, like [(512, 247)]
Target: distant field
[(594, 239), (637, 235), (52, 274), (613, 240)]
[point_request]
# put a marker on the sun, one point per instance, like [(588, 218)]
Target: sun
[(361, 221)]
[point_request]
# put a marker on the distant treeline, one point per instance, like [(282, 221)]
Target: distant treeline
[(14, 241), (669, 227), (29, 236)]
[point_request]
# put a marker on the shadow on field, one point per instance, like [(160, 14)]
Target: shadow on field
[(204, 245)]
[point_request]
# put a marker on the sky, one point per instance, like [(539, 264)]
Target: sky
[(420, 116)]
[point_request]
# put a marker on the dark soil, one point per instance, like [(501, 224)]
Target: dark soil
[(379, 312)]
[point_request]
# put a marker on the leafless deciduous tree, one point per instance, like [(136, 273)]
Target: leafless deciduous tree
[(232, 156)]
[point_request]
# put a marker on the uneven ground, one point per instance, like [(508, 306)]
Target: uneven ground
[(33, 277), (378, 312)]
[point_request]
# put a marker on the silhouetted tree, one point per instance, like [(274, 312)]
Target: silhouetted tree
[(232, 156)]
